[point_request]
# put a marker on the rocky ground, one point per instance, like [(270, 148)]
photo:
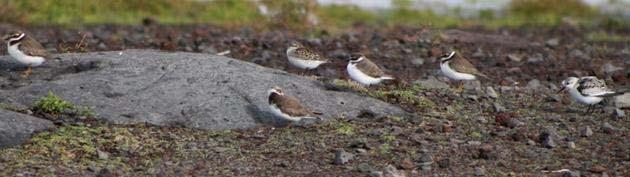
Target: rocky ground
[(512, 124)]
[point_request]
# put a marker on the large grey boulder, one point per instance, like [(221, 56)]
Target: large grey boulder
[(175, 89), (15, 128)]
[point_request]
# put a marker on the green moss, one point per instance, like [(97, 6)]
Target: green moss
[(52, 104), (344, 128), (384, 149)]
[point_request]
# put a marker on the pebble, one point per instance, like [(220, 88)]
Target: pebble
[(533, 84), (571, 145), (102, 155), (547, 140), (498, 108), (361, 151), (538, 57), (607, 128), (487, 152), (515, 57), (571, 174), (417, 62), (444, 163), (342, 157), (376, 174), (531, 142), (490, 92), (407, 164), (620, 114), (586, 132), (391, 171), (479, 171), (578, 54), (552, 42)]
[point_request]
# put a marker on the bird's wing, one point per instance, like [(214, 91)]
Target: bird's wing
[(462, 65), (307, 54), (33, 48), (291, 106), (592, 86), (369, 68)]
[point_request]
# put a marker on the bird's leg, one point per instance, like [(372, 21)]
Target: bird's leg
[(460, 87), (27, 72), (588, 110)]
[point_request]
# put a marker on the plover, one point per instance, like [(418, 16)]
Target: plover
[(364, 71), (587, 90), (458, 68), (303, 58), (287, 107), (25, 50)]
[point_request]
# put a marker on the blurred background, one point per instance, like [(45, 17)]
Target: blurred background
[(320, 14)]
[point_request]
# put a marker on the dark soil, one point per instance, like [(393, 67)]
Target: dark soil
[(455, 134)]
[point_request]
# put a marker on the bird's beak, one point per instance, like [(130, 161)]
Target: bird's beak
[(562, 89)]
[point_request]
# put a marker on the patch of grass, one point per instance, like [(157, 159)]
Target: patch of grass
[(387, 138), (344, 128), (52, 104), (349, 85), (384, 149), (404, 95)]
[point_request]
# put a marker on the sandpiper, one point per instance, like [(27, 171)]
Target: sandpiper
[(287, 107), (587, 90), (458, 68), (303, 58), (364, 71), (25, 50)]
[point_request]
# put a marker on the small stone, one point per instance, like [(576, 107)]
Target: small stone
[(364, 167), (361, 151), (487, 152), (391, 171), (620, 114), (471, 97), (407, 164), (426, 158), (444, 163), (513, 123), (474, 143), (102, 155), (552, 42), (491, 93), (547, 140), (586, 132), (417, 62), (515, 57), (479, 171), (538, 57), (571, 174), (498, 108), (533, 84), (342, 157), (607, 128), (531, 142), (571, 145), (609, 68), (597, 169), (376, 174), (578, 54)]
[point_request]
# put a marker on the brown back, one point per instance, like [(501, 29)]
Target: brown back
[(289, 105), (31, 47), (369, 68)]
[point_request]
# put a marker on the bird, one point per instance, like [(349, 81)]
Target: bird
[(458, 68), (26, 50), (303, 58), (364, 71), (587, 90), (287, 107)]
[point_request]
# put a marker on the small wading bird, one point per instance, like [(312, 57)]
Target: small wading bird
[(458, 68), (365, 72), (587, 90), (287, 107), (26, 50), (303, 58)]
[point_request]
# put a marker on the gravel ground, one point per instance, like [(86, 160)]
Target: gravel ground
[(523, 129)]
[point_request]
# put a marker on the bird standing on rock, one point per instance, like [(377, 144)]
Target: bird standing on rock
[(459, 68), (287, 107), (26, 50)]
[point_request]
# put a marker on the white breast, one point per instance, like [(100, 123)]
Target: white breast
[(361, 77), (590, 100), (23, 58), (305, 64), (452, 74)]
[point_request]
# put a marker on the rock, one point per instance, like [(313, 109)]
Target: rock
[(498, 108), (597, 169), (479, 171), (491, 93), (417, 62), (361, 151), (571, 174), (609, 68), (515, 57), (17, 128), (376, 174), (538, 57), (607, 128), (342, 157), (102, 155), (391, 171), (432, 83), (407, 164), (487, 152), (571, 145), (552, 42), (586, 132), (620, 114), (180, 89), (426, 158), (531, 142), (513, 123), (622, 101), (444, 163), (533, 84), (578, 54), (547, 140)]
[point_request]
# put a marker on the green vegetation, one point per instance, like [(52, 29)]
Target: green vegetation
[(404, 95), (52, 104), (294, 15)]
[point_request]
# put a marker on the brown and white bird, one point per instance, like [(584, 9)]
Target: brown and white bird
[(287, 107), (587, 90), (365, 72), (457, 67), (26, 50), (303, 58)]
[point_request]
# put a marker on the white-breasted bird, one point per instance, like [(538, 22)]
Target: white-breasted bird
[(365, 72), (587, 90), (26, 50)]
